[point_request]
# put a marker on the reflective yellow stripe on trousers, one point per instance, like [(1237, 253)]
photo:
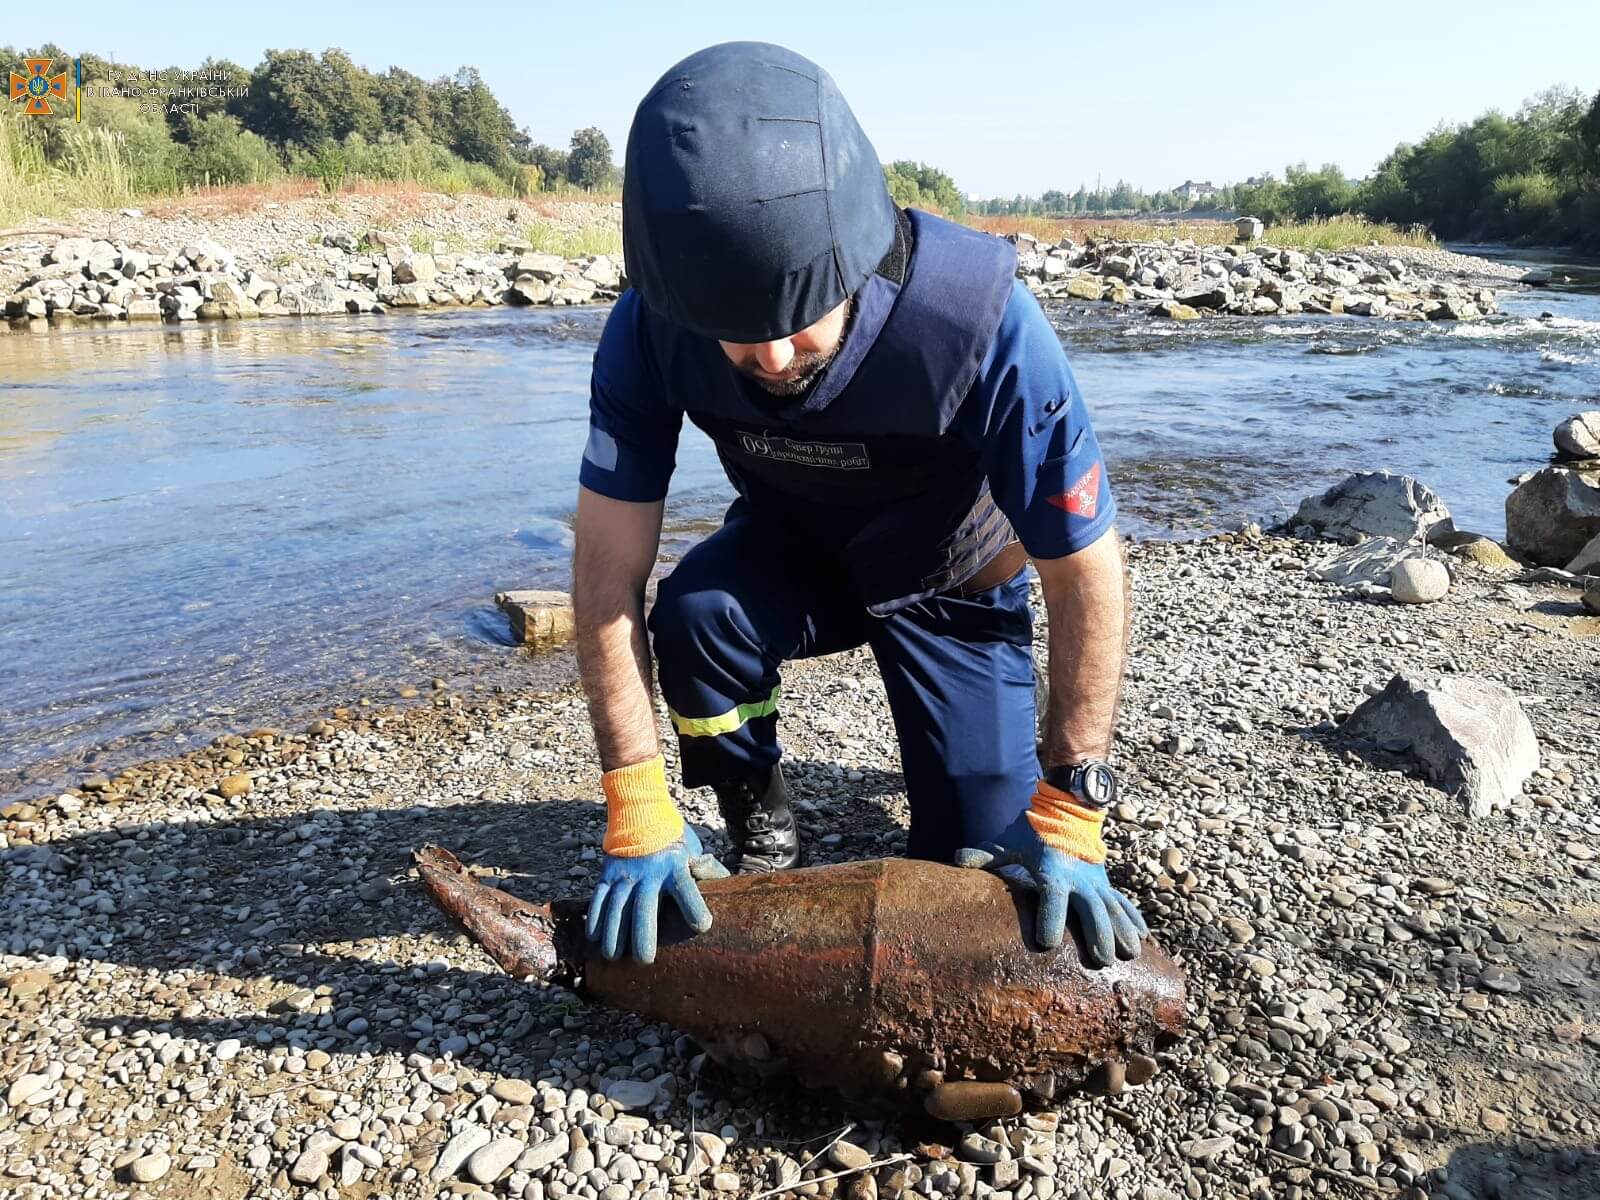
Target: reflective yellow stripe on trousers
[(723, 722)]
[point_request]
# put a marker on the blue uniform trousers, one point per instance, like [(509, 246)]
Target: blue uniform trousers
[(958, 672)]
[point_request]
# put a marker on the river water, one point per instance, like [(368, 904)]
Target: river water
[(212, 527)]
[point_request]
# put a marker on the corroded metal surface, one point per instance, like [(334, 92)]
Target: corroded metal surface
[(903, 984), (520, 936)]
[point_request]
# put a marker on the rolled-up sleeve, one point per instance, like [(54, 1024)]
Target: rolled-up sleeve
[(1043, 461), (633, 428)]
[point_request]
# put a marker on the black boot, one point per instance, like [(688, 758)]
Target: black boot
[(761, 828)]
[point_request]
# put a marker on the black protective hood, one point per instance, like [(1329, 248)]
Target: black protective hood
[(752, 203)]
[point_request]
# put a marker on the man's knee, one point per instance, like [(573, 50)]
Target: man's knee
[(692, 620)]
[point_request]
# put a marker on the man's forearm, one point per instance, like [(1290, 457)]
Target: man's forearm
[(614, 651), (614, 664), (1087, 599)]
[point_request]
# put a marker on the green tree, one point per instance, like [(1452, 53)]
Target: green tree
[(1054, 201), (552, 164), (1589, 136), (1266, 198), (355, 107), (289, 99), (329, 165), (473, 123), (220, 152), (405, 104), (1323, 193), (903, 189), (589, 163), (933, 188)]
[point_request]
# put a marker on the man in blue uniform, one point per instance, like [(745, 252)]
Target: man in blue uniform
[(899, 421)]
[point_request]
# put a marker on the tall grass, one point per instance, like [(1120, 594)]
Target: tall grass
[(1333, 233), (24, 176), (94, 168), (50, 168), (1346, 232), (575, 243)]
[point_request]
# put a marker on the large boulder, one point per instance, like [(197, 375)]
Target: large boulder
[(1553, 514), (1587, 560), (416, 268), (1215, 296), (1470, 735), (1084, 287), (529, 290), (603, 273), (1578, 436), (68, 250), (1375, 504), (545, 267)]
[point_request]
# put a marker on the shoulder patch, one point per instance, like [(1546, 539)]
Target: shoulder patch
[(1083, 497)]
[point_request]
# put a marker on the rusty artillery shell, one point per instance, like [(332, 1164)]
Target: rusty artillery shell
[(904, 984)]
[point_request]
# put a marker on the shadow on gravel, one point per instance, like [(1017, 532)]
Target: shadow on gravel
[(1503, 1172), (254, 911), (304, 900)]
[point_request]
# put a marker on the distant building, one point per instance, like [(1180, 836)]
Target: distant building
[(1192, 191)]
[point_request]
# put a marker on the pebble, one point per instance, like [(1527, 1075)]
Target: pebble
[(1419, 581), (150, 1167), (1498, 979), (310, 1166), (1205, 1149), (964, 1101), (490, 1162), (976, 1148), (1239, 930), (848, 1156), (543, 1154), (629, 1094), (513, 1091), (234, 785), (24, 1088), (457, 1150)]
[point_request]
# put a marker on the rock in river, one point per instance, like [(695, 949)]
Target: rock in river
[(1579, 436), (1376, 504), (1553, 514)]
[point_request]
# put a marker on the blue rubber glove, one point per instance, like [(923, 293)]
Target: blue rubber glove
[(1109, 922), (630, 891)]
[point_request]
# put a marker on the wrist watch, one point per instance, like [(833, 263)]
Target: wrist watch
[(1091, 782)]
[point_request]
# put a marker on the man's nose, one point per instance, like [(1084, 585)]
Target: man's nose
[(773, 357)]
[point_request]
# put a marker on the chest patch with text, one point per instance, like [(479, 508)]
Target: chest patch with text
[(841, 456)]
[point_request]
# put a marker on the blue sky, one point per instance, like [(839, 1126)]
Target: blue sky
[(1006, 97)]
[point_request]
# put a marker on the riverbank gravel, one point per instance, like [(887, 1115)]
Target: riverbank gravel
[(222, 980)]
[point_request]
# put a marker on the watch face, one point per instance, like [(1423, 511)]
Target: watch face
[(1099, 784)]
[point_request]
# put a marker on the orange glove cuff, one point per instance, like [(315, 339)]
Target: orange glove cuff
[(1066, 825), (640, 816)]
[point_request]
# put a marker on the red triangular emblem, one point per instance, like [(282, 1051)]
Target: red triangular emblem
[(1083, 497)]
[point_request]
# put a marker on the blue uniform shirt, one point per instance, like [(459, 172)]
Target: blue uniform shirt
[(1024, 414)]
